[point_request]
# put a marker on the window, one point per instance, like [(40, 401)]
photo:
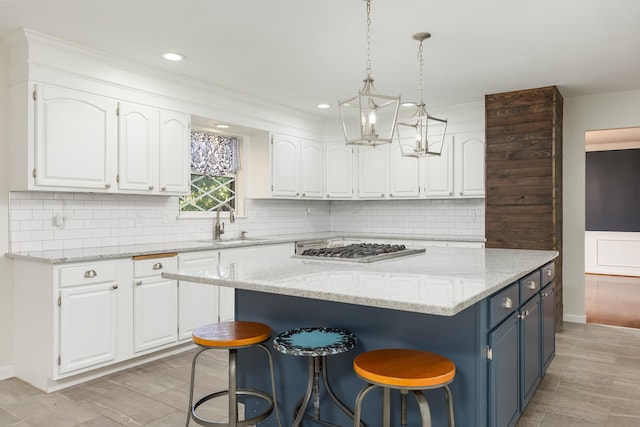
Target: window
[(215, 159)]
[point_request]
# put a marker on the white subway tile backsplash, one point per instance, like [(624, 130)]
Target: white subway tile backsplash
[(110, 220)]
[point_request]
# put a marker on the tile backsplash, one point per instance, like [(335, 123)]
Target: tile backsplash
[(49, 220)]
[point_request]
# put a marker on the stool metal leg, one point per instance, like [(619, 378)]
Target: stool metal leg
[(403, 407), (424, 407), (302, 405), (325, 377), (273, 382), (386, 407), (193, 374), (449, 398), (359, 398), (233, 386)]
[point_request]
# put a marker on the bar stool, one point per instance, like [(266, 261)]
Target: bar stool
[(405, 370), (232, 336), (316, 344)]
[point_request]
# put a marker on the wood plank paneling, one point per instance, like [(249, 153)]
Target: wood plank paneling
[(523, 201)]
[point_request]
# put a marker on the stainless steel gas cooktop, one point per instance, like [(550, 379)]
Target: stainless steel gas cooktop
[(358, 252)]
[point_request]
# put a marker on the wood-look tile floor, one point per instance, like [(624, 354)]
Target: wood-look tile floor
[(593, 381)]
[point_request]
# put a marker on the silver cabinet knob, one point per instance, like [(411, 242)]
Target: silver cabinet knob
[(138, 282), (549, 273), (151, 187), (107, 185), (157, 266), (507, 303), (163, 188), (532, 285), (115, 286)]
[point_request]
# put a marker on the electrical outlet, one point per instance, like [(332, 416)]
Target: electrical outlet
[(58, 220)]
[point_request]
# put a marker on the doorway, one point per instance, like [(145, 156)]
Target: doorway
[(612, 235)]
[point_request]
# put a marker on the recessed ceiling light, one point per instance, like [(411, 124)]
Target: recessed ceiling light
[(173, 56), (323, 106), (222, 126)]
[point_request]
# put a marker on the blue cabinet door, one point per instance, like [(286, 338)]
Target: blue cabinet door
[(530, 349), (548, 325), (504, 380)]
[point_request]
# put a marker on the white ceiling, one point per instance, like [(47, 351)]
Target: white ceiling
[(299, 53)]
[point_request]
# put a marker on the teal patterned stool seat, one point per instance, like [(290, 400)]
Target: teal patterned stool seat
[(316, 344)]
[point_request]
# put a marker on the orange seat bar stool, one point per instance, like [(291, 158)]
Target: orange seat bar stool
[(408, 371), (232, 336)]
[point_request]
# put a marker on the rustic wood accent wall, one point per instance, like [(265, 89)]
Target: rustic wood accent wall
[(523, 201)]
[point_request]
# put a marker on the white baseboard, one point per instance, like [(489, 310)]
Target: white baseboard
[(614, 253), (6, 372), (574, 318)]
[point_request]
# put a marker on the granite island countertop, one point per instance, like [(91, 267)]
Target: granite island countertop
[(441, 281)]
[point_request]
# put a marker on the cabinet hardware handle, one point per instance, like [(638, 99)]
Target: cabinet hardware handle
[(523, 314), (90, 273), (138, 282), (304, 194), (151, 187), (157, 266), (163, 188), (115, 286), (107, 185), (549, 273), (532, 285), (507, 303), (461, 193)]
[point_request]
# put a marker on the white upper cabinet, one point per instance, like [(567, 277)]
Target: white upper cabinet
[(175, 153), (75, 139), (470, 155), (404, 175), (137, 146), (153, 147), (436, 172), (373, 172), (339, 171), (297, 167)]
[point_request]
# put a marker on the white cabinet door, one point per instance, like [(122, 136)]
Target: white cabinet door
[(88, 322), (339, 171), (470, 155), (311, 169), (174, 173), (137, 147), (75, 139), (155, 314), (373, 172), (437, 172), (404, 175), (197, 302), (285, 166)]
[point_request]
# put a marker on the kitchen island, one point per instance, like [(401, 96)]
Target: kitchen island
[(458, 302)]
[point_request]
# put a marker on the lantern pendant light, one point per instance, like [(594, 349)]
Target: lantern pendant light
[(422, 134), (369, 118)]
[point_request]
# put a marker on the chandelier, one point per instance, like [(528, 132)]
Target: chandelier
[(422, 134), (369, 118)]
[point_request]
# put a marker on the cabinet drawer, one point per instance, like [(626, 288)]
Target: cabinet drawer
[(529, 286), (198, 259), (548, 273), (155, 266), (87, 274), (502, 304)]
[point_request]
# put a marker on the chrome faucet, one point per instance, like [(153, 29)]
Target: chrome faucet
[(218, 230)]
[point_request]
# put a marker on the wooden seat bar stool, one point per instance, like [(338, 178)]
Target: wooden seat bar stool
[(232, 336), (316, 344), (408, 371)]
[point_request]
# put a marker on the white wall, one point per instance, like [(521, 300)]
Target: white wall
[(581, 114), (6, 272)]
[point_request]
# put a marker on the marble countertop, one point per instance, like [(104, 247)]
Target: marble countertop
[(441, 281), (113, 252)]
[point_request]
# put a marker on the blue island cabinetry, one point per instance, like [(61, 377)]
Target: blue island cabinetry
[(521, 344)]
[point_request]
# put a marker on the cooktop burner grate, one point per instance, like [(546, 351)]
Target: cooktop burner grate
[(359, 252)]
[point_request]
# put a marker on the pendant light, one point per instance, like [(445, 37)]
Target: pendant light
[(369, 118), (422, 134)]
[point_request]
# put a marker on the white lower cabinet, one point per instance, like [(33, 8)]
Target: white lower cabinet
[(88, 325), (197, 302), (155, 303)]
